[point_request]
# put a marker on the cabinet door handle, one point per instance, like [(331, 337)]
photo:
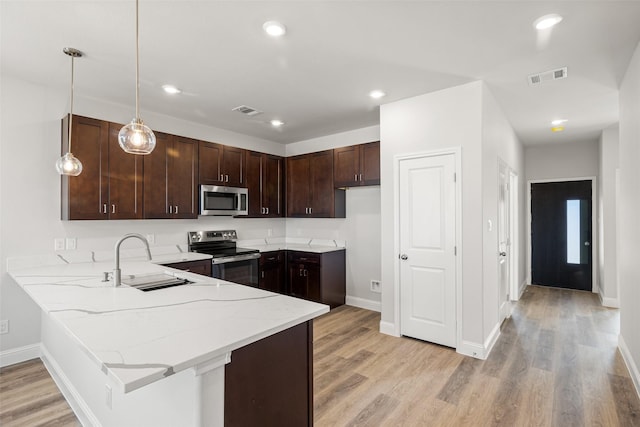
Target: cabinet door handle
[(360, 177), (226, 179), (104, 208), (310, 210), (355, 177), (262, 274), (170, 209), (176, 209), (300, 272), (306, 273), (267, 211), (113, 208)]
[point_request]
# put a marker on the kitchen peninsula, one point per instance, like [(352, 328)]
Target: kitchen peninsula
[(190, 355)]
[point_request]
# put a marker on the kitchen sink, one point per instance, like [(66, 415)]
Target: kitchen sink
[(154, 282)]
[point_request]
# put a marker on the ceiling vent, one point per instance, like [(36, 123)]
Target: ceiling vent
[(247, 111), (536, 79)]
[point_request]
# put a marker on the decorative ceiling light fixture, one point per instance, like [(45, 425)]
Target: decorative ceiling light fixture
[(547, 21), (276, 123), (558, 122), (69, 164), (136, 137), (274, 28)]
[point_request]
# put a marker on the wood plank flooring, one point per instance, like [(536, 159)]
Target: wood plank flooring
[(29, 397), (556, 364)]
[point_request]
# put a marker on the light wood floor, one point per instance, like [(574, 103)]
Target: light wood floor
[(555, 364), (29, 397)]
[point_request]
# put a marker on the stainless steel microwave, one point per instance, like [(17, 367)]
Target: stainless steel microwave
[(220, 200)]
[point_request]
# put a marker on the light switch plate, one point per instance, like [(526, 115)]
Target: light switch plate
[(58, 244), (4, 327), (71, 243)]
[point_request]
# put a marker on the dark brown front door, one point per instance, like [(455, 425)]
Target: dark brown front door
[(561, 234)]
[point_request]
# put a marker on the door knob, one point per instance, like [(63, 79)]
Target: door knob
[(503, 254), (587, 243), (404, 257)]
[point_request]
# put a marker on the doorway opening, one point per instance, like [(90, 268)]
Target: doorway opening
[(562, 239)]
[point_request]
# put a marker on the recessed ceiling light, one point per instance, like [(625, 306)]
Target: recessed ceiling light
[(274, 28), (171, 89), (558, 122), (377, 94), (547, 21), (276, 123)]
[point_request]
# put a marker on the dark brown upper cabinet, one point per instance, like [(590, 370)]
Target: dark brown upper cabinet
[(264, 177), (171, 178), (310, 189), (110, 185), (221, 165), (357, 165)]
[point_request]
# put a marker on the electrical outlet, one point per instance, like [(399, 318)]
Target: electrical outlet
[(58, 244), (71, 243), (4, 326), (375, 286), (108, 396), (151, 238)]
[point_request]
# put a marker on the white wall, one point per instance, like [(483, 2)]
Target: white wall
[(555, 161), (30, 187), (438, 120), (607, 211), (629, 226), (361, 227), (499, 143)]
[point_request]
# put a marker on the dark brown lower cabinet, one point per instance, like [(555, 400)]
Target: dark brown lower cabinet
[(198, 267), (272, 272), (319, 277), (270, 382)]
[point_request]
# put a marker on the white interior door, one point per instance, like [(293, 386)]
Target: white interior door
[(427, 249), (504, 244)]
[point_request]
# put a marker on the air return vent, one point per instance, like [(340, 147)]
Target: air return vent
[(536, 79), (248, 111)]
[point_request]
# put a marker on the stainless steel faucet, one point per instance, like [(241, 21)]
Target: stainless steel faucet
[(116, 271)]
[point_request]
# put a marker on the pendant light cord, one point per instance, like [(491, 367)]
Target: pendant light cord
[(71, 106), (137, 63)]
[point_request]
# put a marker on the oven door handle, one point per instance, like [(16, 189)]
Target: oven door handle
[(235, 258)]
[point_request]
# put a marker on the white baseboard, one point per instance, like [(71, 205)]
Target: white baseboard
[(631, 364), (491, 340), (367, 304), (471, 349), (609, 302), (523, 286), (388, 328), (18, 355), (76, 402)]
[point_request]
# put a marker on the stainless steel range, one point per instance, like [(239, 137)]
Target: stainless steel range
[(239, 265)]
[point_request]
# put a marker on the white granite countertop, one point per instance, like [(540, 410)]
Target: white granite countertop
[(140, 337), (294, 244)]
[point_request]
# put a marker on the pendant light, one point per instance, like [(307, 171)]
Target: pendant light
[(69, 164), (136, 137)]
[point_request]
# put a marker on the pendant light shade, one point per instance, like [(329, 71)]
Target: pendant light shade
[(68, 164), (136, 137)]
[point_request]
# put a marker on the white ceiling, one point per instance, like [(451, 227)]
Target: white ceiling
[(316, 79)]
